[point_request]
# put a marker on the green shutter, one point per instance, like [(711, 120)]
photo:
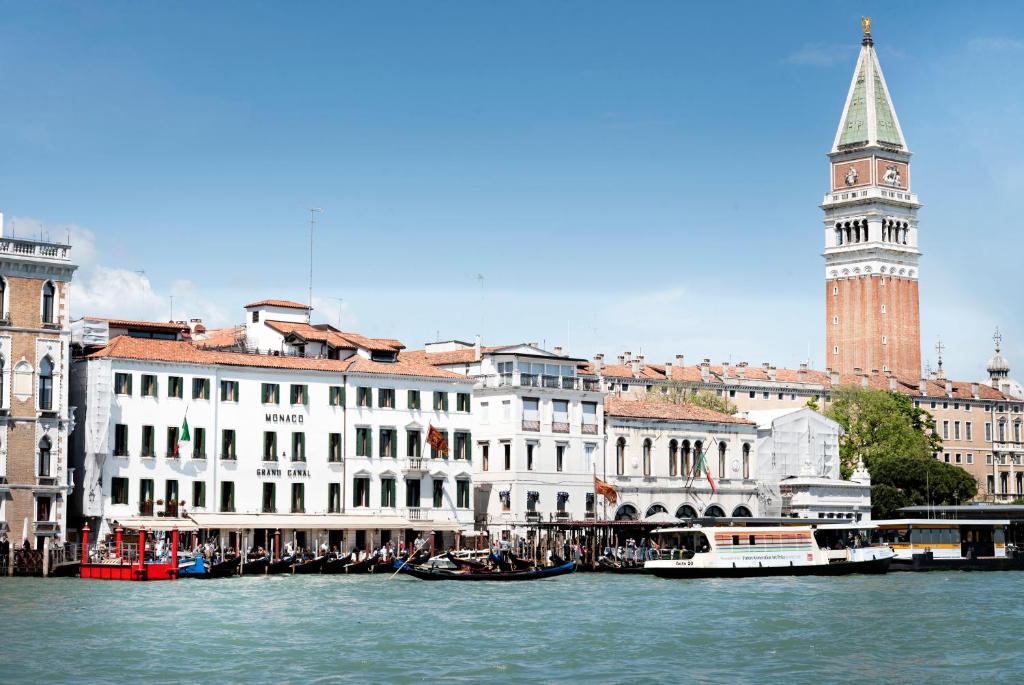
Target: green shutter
[(469, 446)]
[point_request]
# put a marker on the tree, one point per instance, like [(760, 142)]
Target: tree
[(812, 403), (902, 481), (676, 392), (878, 425)]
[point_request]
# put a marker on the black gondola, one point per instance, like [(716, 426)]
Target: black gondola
[(256, 566), (282, 565), (424, 573), (226, 568), (310, 565), (337, 565), (463, 563)]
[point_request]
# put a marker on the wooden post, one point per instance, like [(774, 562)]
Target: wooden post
[(142, 552), (118, 540), (433, 551), (277, 544), (241, 555), (84, 556), (46, 557)]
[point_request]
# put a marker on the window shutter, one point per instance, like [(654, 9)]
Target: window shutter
[(469, 446)]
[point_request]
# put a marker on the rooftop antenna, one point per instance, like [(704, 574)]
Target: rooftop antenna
[(340, 302), (939, 347), (172, 307), (313, 212), (480, 279)]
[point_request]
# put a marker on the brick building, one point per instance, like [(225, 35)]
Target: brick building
[(34, 417)]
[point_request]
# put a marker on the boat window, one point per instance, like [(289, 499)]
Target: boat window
[(753, 540), (736, 540), (891, 536)]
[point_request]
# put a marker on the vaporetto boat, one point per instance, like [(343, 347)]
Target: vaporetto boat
[(949, 544), (736, 552)]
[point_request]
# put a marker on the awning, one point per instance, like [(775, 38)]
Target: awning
[(154, 523), (228, 521)]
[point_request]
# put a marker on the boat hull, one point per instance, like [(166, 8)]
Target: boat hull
[(842, 568), (922, 563), (442, 574)]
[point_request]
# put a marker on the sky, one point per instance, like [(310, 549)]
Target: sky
[(600, 176)]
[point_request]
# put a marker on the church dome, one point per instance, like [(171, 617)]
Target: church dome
[(997, 366)]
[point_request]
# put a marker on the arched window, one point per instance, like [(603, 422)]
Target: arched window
[(714, 511), (687, 459), (45, 394), (655, 509), (721, 459), (44, 457), (647, 457), (698, 457), (49, 293), (741, 511), (627, 512), (686, 512), (620, 456), (746, 460), (673, 452)]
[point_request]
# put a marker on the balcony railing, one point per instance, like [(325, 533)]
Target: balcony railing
[(531, 380), (533, 516), (31, 248), (531, 425), (415, 464), (559, 427), (417, 514), (589, 429), (170, 510)]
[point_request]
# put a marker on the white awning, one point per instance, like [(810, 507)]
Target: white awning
[(228, 521), (154, 523)]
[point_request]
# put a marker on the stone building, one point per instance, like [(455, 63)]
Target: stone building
[(34, 419)]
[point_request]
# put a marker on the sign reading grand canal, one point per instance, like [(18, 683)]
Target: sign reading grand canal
[(291, 473), (285, 418)]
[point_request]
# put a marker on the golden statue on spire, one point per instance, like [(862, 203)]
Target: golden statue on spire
[(865, 25)]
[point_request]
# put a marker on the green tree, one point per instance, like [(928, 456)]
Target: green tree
[(878, 425), (677, 392), (901, 481), (812, 403)]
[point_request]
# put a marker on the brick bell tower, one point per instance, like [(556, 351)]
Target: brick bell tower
[(871, 256)]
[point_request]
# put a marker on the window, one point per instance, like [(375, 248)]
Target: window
[(336, 396), (147, 493), (412, 493), (227, 496), (507, 446), (589, 417), (334, 498), (360, 492), (969, 429), (171, 497), (885, 340), (462, 401), (751, 394), (198, 494), (956, 430), (120, 440), (970, 458), (269, 498), (485, 412), (835, 320), (45, 395), (388, 438), (673, 453), (462, 494), (148, 385), (255, 317), (957, 459), (200, 388), (270, 393), (560, 457), (298, 394), (647, 457), (49, 292), (334, 447), (746, 460), (620, 456), (414, 399), (172, 442), (118, 490), (364, 442), (434, 454), (364, 397), (386, 398), (506, 499), (122, 384), (412, 443), (945, 430), (388, 490), (229, 391), (485, 456), (462, 443), (298, 498), (148, 448), (269, 445), (531, 414), (199, 443), (298, 447), (440, 401), (764, 395), (506, 410), (988, 432), (883, 309), (835, 349), (175, 386), (721, 459), (560, 416), (438, 493), (530, 448), (227, 444)]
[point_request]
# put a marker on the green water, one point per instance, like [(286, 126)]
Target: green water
[(906, 628)]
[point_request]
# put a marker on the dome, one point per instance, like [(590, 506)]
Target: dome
[(998, 365)]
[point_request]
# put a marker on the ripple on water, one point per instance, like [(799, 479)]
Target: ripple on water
[(596, 628)]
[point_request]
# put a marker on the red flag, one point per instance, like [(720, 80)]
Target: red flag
[(436, 439), (711, 481), (606, 490)]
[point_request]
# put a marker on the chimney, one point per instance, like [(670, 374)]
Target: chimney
[(923, 387), (974, 390), (476, 349), (705, 370), (741, 370), (949, 388), (802, 373), (679, 360), (765, 366), (833, 377), (558, 350), (892, 383), (772, 373), (598, 362), (640, 359), (628, 355), (635, 367), (622, 359), (668, 370), (725, 369)]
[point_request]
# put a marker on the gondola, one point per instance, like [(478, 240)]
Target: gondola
[(282, 565), (447, 574), (337, 564), (256, 566), (464, 563), (607, 565), (364, 566), (310, 565), (226, 568)]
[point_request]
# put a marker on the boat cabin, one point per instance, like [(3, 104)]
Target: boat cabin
[(944, 538)]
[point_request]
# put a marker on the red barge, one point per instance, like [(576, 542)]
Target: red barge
[(122, 565)]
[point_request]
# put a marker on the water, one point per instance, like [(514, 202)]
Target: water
[(600, 628)]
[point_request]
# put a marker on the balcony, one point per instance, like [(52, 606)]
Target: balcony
[(533, 517), (559, 427), (32, 248), (415, 465), (1008, 447), (589, 429), (45, 528), (530, 380), (531, 426), (418, 513), (170, 510), (561, 516)]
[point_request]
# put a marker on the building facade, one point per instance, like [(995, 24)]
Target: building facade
[(871, 234), (35, 481), (323, 440)]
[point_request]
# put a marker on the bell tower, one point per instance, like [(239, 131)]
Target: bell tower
[(871, 256)]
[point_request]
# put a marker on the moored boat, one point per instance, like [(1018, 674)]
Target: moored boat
[(225, 568), (314, 565), (282, 565), (337, 564), (737, 552), (193, 567), (435, 573), (948, 544)]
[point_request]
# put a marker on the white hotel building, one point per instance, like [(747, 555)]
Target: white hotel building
[(303, 429)]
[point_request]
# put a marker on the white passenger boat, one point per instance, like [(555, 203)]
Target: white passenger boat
[(948, 544), (798, 550)]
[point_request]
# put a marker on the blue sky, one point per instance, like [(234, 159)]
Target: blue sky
[(625, 176)]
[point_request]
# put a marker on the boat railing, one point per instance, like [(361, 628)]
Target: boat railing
[(669, 554)]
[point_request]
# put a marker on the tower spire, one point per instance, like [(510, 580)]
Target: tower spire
[(865, 26)]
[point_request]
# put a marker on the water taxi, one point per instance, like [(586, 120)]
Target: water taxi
[(737, 552), (948, 544)]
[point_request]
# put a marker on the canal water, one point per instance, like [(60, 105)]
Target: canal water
[(598, 628)]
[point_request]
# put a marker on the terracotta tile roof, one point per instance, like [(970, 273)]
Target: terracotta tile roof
[(961, 390), (277, 303), (221, 337), (168, 326), (643, 409), (335, 338), (464, 356), (180, 352)]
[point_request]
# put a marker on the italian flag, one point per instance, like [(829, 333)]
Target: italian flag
[(183, 435), (702, 465)]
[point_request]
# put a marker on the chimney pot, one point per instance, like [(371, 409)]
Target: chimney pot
[(974, 390), (892, 383), (949, 388), (558, 350), (679, 360)]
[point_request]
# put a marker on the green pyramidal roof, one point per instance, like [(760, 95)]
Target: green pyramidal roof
[(868, 118)]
